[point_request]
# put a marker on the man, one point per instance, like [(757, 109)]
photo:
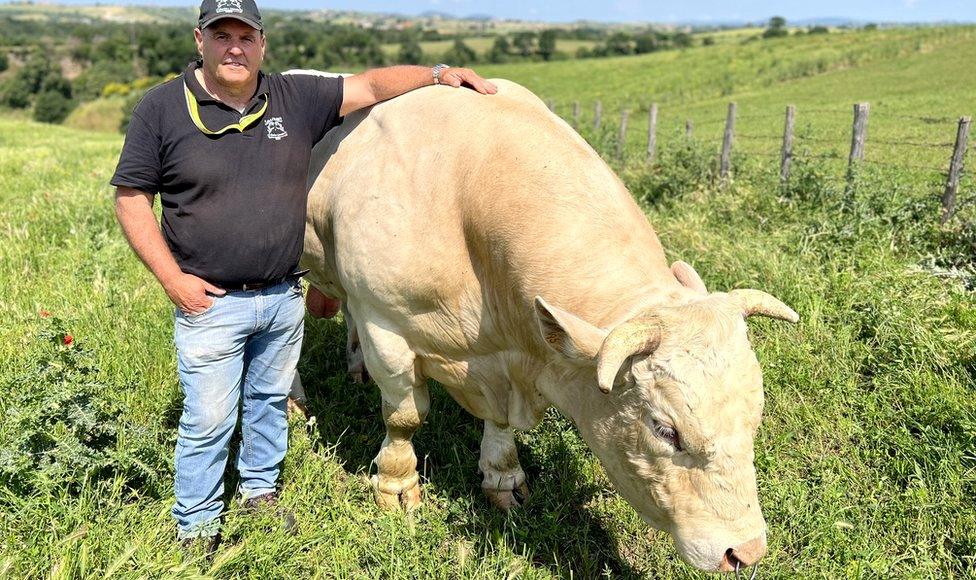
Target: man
[(227, 148)]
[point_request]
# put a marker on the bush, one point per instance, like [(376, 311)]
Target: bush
[(499, 51), (52, 107), (90, 84), (682, 168), (15, 94), (460, 54), (63, 430), (411, 52), (116, 89), (4, 63), (54, 82)]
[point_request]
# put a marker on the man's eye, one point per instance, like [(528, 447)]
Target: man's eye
[(668, 433)]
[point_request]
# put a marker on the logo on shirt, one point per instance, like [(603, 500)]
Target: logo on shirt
[(229, 7), (276, 130)]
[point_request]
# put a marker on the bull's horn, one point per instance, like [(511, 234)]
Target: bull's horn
[(637, 336), (763, 304), (688, 277)]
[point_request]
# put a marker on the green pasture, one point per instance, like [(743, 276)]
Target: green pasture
[(866, 457), (915, 80)]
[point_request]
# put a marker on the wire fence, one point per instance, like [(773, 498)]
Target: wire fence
[(929, 146)]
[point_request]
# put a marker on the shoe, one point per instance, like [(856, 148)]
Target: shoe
[(206, 544), (269, 502)]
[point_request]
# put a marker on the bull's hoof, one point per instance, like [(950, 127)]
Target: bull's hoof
[(508, 499), (296, 406), (389, 497), (408, 500), (360, 377)]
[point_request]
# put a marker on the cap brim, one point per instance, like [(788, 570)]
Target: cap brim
[(253, 24)]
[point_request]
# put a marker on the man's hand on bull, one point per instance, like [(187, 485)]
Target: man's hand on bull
[(379, 84), (455, 77), (189, 293)]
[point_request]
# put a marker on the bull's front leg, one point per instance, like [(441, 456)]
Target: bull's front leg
[(405, 404), (504, 480)]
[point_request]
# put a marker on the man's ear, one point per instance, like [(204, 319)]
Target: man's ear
[(198, 39), (568, 334)]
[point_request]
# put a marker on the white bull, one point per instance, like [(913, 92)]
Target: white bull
[(479, 241)]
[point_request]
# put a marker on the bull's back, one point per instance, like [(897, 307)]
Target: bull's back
[(449, 211)]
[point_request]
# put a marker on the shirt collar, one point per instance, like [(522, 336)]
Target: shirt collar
[(201, 94)]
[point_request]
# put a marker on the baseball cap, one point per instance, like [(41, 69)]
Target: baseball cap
[(244, 10)]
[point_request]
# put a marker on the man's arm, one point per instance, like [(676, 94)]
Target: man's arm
[(133, 208), (380, 84)]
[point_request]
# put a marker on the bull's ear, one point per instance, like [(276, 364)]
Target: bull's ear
[(688, 277), (566, 333)]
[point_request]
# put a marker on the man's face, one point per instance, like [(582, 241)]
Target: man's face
[(232, 52)]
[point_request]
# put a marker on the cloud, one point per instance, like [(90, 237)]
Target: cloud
[(909, 3)]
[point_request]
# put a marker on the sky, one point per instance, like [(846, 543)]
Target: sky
[(703, 11)]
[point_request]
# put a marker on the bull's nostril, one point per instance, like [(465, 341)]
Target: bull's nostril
[(730, 554), (732, 564), (738, 566)]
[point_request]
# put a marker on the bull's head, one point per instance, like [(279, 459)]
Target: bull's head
[(670, 402)]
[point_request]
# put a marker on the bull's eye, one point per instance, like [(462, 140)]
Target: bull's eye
[(668, 433)]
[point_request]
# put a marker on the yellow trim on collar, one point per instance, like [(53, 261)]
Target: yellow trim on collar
[(193, 108)]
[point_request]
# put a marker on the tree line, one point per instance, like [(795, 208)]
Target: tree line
[(122, 58)]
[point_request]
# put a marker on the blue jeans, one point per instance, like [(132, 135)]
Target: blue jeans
[(245, 347)]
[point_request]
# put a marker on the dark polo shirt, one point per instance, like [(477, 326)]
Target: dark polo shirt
[(233, 204)]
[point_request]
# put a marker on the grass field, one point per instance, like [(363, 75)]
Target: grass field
[(866, 457)]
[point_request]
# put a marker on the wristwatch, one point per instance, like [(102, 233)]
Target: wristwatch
[(437, 70)]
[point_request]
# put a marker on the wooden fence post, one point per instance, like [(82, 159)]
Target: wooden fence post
[(859, 137), (787, 156), (651, 133), (955, 170), (689, 128), (622, 138), (725, 164), (597, 113), (859, 133), (576, 114)]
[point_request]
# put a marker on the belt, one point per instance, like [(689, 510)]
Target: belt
[(249, 287)]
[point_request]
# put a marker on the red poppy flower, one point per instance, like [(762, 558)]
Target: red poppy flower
[(68, 339), (44, 313)]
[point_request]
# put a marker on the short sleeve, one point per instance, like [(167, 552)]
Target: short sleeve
[(325, 100), (139, 165)]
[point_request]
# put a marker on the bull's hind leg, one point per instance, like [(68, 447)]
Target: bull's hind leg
[(504, 480), (405, 404), (355, 364)]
